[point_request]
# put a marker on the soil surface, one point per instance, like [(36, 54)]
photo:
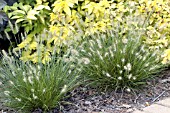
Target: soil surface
[(87, 100)]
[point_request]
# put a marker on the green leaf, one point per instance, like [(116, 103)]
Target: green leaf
[(26, 8), (67, 11), (16, 17), (27, 29), (20, 5), (6, 8), (31, 17), (39, 7), (30, 22), (9, 15), (14, 8), (42, 19), (19, 12), (31, 14), (15, 4), (8, 29), (19, 20)]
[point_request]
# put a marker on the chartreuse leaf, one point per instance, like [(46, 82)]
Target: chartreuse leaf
[(31, 14), (25, 8), (6, 8), (40, 7), (16, 17), (9, 15), (27, 29), (18, 12), (67, 11), (19, 20), (42, 19)]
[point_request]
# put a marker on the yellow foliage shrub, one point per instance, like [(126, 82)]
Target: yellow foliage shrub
[(158, 28), (70, 19), (166, 56)]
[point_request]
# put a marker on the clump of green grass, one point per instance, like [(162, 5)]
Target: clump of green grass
[(27, 86), (118, 62)]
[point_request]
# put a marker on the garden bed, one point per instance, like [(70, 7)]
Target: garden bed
[(86, 100), (68, 47)]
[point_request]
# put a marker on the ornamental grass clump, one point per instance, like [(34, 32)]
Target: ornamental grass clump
[(26, 86), (116, 62)]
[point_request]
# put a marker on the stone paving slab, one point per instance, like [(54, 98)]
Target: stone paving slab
[(162, 106), (138, 111), (165, 102)]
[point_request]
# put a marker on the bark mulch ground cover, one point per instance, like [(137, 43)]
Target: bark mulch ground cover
[(87, 100)]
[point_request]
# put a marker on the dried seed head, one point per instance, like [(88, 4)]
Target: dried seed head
[(13, 73), (99, 43), (30, 72), (34, 96), (129, 76), (128, 90), (25, 79), (142, 48), (19, 69), (147, 64), (74, 52), (30, 79), (6, 93), (18, 99), (125, 40), (69, 71), (32, 90), (64, 89), (128, 67), (92, 43), (23, 73), (119, 78), (37, 78), (12, 83), (82, 50), (110, 51), (106, 54), (91, 50), (137, 54), (90, 54), (144, 58), (134, 78), (85, 60), (100, 56), (96, 66), (123, 60), (108, 75), (44, 90), (39, 67), (66, 60), (125, 67)]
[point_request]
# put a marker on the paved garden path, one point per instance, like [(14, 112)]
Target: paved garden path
[(162, 106)]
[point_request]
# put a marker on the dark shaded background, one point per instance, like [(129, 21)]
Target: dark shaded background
[(4, 42)]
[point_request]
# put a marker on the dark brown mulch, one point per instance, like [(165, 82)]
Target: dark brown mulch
[(87, 100)]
